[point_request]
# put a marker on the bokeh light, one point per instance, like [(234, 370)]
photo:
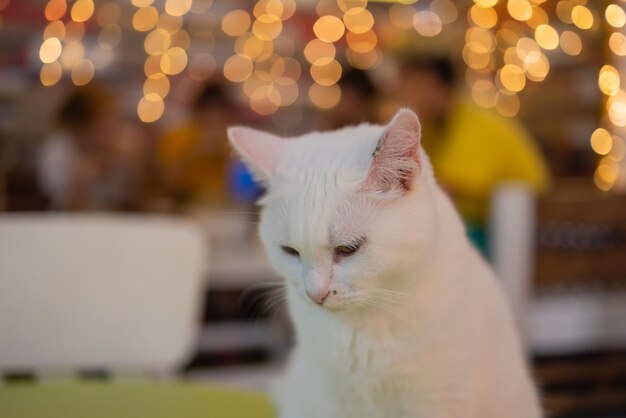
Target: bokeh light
[(72, 53), (150, 108), (82, 72), (485, 18), (50, 50), (615, 16), (601, 141), (238, 68), (617, 43), (520, 10), (174, 61), (178, 7), (609, 80), (55, 9), (50, 73), (317, 49), (329, 28), (326, 71), (512, 77), (571, 43), (82, 10), (157, 83), (547, 37), (267, 27), (358, 20), (324, 97), (236, 23), (145, 18), (55, 29), (582, 17), (427, 23)]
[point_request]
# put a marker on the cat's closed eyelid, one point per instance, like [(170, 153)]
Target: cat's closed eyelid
[(290, 250)]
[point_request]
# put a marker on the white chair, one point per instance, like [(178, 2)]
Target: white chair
[(97, 292)]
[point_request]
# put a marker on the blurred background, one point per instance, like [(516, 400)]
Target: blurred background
[(113, 114)]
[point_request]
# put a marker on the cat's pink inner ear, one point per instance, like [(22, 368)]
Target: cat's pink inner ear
[(395, 161), (262, 152)]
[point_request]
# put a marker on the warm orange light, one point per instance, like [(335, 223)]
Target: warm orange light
[(609, 80), (346, 5), (445, 9), (73, 52), (485, 18), (50, 74), (571, 43), (364, 60), (326, 71), (358, 20), (427, 23), (236, 23), (601, 141), (537, 70), (329, 28), (178, 7), (82, 10), (617, 43), (615, 16), (157, 83), (174, 61), (363, 42), (55, 9), (238, 68), (317, 49), (50, 50), (267, 27), (82, 72), (520, 10), (547, 37), (145, 18), (401, 16), (484, 93), (512, 78), (582, 17), (54, 29), (507, 104), (157, 42), (324, 97), (150, 108)]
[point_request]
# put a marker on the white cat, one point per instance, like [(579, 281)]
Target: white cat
[(396, 314)]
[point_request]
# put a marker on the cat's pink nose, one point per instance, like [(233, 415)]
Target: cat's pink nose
[(317, 295)]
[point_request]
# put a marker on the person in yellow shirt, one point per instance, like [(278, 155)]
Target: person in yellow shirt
[(194, 157), (472, 150)]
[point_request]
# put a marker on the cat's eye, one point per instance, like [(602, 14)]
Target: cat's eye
[(289, 250), (349, 249), (346, 250)]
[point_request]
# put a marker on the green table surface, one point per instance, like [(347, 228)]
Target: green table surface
[(129, 399)]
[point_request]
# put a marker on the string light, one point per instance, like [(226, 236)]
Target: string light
[(506, 47)]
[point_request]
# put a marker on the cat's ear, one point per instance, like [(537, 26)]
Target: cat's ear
[(396, 161), (261, 152)]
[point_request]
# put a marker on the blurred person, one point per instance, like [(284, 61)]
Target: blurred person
[(194, 157), (472, 150), (359, 100), (87, 164)]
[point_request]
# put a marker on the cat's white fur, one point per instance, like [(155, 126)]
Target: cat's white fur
[(414, 323)]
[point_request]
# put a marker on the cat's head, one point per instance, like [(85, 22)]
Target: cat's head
[(348, 216)]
